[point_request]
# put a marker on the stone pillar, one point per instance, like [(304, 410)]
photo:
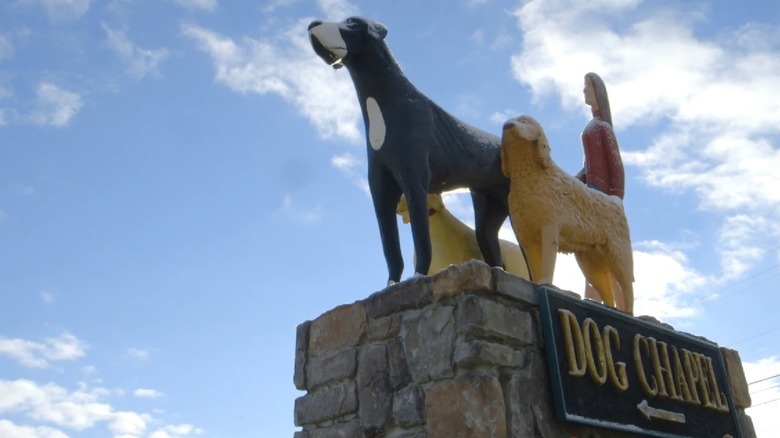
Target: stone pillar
[(458, 354)]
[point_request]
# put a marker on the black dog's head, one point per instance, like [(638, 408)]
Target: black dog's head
[(338, 43)]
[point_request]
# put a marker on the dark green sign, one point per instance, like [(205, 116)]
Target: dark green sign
[(611, 370)]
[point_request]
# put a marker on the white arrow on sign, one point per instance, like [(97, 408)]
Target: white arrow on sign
[(660, 414)]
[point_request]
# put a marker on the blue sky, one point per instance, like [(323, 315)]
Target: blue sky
[(183, 182)]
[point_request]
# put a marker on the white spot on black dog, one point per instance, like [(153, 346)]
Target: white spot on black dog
[(376, 124)]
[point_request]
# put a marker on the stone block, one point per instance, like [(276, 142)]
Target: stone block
[(344, 326), (467, 407), (406, 295), (471, 276), (428, 340), (399, 369), (736, 375), (479, 317), (301, 353), (337, 366), (746, 423), (350, 429), (516, 288), (300, 434), (477, 352), (412, 434), (375, 401), (384, 328), (530, 405), (409, 406), (326, 404), (655, 321)]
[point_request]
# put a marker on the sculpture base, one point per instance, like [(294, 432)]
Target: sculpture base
[(460, 353)]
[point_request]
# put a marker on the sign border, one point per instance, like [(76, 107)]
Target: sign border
[(544, 292)]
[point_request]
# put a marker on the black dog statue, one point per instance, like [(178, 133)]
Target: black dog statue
[(414, 146)]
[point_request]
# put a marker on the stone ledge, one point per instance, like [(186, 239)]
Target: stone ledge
[(482, 318), (472, 276), (456, 354), (410, 294), (344, 326), (326, 404)]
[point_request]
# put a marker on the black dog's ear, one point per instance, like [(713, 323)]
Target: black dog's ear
[(376, 30)]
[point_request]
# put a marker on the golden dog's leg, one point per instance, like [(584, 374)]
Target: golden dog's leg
[(628, 297), (617, 292), (597, 274), (534, 254), (591, 292), (549, 252)]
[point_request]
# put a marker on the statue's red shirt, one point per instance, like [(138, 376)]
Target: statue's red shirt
[(603, 165)]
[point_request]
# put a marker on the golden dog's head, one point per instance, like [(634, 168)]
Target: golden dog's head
[(435, 205), (525, 132)]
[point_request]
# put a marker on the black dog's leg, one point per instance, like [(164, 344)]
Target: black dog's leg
[(386, 193), (417, 200), (489, 215)]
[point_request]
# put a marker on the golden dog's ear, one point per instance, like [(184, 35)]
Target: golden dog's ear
[(504, 160), (544, 150)]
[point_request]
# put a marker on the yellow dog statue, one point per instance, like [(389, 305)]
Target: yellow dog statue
[(453, 242), (554, 212)]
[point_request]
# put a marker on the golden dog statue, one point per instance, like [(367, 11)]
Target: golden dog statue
[(453, 242), (554, 212)]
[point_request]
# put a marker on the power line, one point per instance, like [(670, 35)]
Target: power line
[(755, 336), (764, 379), (766, 402), (713, 297), (764, 389)]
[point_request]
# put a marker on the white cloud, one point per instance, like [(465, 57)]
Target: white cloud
[(303, 214), (49, 407), (5, 92), (63, 9), (206, 5), (50, 403), (666, 297), (147, 393), (6, 48), (286, 66), (138, 353), (176, 431), (140, 62), (129, 424), (38, 355), (353, 168), (23, 189), (712, 102), (55, 106), (47, 298), (762, 394), (11, 430), (337, 10), (81, 409), (499, 117), (273, 5), (6, 115)]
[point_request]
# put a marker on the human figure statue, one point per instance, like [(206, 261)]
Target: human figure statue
[(603, 167)]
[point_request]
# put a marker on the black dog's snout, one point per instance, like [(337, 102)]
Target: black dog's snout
[(314, 24)]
